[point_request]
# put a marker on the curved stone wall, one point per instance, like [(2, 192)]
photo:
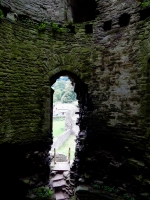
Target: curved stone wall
[(49, 10), (113, 62)]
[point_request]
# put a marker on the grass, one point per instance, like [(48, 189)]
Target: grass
[(58, 127), (40, 193), (65, 147)]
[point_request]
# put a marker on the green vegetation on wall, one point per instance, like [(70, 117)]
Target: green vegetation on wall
[(1, 14), (42, 26), (145, 4), (41, 193), (25, 98), (57, 29), (112, 190)]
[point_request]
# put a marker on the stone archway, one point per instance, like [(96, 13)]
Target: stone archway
[(84, 102), (80, 88)]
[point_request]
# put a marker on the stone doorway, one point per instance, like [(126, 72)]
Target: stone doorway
[(65, 115), (58, 176), (81, 96)]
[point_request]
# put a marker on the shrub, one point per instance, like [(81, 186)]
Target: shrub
[(42, 26), (1, 14), (145, 4), (38, 193), (56, 28)]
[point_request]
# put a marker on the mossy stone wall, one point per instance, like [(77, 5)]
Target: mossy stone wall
[(28, 60), (113, 146)]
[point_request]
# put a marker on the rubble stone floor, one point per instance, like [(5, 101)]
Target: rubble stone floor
[(60, 180)]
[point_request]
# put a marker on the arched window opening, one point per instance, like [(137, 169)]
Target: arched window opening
[(65, 107), (84, 106), (69, 96), (83, 10), (60, 163)]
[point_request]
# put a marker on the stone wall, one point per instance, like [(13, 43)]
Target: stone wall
[(113, 62), (49, 10), (71, 120), (58, 141)]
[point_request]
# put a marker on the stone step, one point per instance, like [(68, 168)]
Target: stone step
[(57, 177), (66, 174), (59, 195), (58, 183), (61, 166)]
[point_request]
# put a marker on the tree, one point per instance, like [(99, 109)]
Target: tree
[(64, 91), (57, 95), (59, 84), (69, 95)]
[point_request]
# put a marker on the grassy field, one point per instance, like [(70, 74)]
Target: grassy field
[(58, 127), (65, 147)]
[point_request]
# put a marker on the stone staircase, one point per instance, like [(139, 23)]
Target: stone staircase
[(60, 181)]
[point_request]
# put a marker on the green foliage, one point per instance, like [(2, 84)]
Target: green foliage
[(73, 198), (64, 92), (69, 95), (57, 95), (57, 29), (126, 196), (42, 26), (26, 20), (1, 14), (41, 192), (145, 4), (70, 22), (60, 85), (112, 189)]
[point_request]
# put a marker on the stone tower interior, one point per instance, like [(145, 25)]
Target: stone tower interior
[(104, 48)]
